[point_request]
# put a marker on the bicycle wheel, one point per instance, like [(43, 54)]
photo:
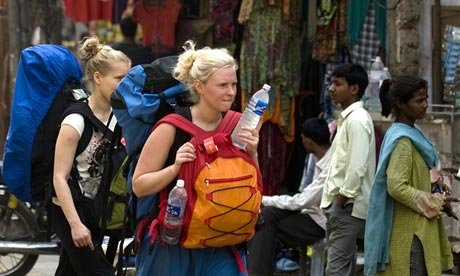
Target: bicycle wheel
[(16, 225)]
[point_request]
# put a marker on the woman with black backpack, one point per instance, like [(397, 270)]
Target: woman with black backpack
[(77, 177)]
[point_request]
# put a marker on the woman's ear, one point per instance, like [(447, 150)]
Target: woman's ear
[(198, 86), (97, 77)]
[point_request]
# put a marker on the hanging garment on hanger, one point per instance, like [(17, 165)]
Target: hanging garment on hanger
[(88, 10), (158, 23), (368, 43)]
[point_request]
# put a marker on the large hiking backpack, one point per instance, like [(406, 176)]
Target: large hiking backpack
[(142, 97), (223, 184), (47, 83)]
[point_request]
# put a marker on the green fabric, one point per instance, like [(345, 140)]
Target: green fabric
[(356, 14), (271, 53), (406, 172), (381, 21), (117, 199)]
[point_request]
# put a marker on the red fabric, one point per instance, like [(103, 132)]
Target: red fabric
[(272, 157), (158, 24), (88, 10)]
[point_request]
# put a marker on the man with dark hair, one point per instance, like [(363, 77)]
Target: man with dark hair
[(293, 220), (136, 52), (351, 170)]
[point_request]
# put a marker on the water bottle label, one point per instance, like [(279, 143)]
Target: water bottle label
[(260, 108), (173, 210)]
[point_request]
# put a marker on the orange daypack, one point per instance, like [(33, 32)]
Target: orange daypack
[(224, 187)]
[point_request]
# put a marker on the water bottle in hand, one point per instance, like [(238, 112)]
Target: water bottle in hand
[(172, 224), (251, 114)]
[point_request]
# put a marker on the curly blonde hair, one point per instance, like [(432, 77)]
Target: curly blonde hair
[(98, 57), (200, 65)]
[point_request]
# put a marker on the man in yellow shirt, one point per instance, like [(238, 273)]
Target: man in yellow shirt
[(347, 188)]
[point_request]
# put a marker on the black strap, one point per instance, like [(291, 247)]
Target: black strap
[(106, 181), (91, 121)]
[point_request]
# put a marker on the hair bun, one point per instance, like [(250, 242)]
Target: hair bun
[(189, 45), (90, 48)]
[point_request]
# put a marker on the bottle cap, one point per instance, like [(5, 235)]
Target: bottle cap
[(180, 183), (266, 87)]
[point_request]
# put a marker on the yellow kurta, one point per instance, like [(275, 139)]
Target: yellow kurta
[(408, 172)]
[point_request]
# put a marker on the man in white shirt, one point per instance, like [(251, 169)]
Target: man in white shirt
[(293, 220), (351, 170)]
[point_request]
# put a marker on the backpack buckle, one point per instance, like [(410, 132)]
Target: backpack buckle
[(210, 145)]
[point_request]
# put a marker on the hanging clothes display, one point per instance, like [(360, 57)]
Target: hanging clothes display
[(368, 44), (88, 10), (222, 13), (158, 22), (270, 53), (358, 10), (330, 33)]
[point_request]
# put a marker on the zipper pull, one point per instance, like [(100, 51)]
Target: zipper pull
[(206, 182), (207, 165)]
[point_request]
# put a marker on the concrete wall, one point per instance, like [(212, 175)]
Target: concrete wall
[(410, 37)]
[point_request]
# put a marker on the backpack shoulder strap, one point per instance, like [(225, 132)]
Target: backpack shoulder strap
[(227, 125), (181, 122), (229, 122), (91, 121)]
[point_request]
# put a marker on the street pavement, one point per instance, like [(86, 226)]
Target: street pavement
[(45, 266)]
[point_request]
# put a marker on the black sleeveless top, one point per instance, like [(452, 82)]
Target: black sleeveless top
[(180, 138)]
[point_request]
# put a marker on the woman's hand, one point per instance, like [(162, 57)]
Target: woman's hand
[(81, 236), (440, 182), (251, 137), (447, 207), (186, 153)]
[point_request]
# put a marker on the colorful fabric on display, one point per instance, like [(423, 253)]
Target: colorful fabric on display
[(88, 10), (330, 35), (368, 45), (328, 105), (358, 10), (222, 12), (158, 23), (272, 155), (270, 53)]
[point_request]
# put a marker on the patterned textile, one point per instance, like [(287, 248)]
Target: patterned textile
[(330, 34), (328, 105), (270, 53), (272, 155), (368, 46), (222, 12)]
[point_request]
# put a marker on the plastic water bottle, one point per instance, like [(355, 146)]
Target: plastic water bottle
[(373, 102), (385, 75), (251, 114), (172, 224)]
